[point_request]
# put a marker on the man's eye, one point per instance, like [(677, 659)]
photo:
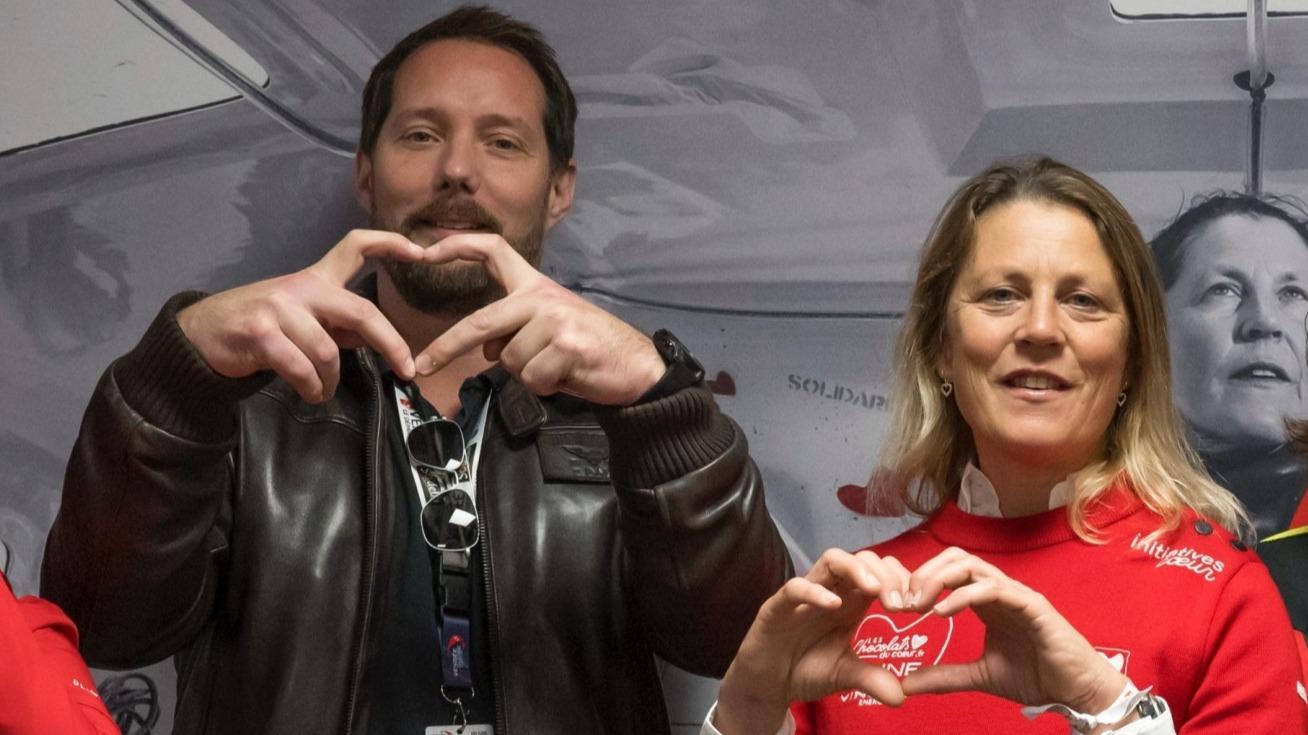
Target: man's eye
[(419, 136), (504, 144)]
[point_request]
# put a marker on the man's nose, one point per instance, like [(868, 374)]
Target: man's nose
[(458, 167)]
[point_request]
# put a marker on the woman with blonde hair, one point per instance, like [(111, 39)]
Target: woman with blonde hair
[(1075, 559)]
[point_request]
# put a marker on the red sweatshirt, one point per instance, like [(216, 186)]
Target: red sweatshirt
[(1194, 615), (44, 684)]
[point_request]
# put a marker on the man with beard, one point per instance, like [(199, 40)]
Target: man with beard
[(460, 496)]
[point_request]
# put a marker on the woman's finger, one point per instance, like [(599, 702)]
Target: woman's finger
[(944, 678), (1002, 602), (894, 582), (924, 586), (839, 568), (800, 591), (950, 572), (871, 679)]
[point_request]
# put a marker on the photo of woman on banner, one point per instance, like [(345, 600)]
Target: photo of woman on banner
[(1235, 270), (1076, 565)]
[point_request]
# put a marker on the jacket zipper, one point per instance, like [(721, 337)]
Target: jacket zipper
[(372, 450), (492, 609)]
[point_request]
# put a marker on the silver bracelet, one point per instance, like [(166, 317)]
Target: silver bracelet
[(1131, 700)]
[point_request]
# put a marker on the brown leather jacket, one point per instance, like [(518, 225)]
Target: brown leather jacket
[(233, 525)]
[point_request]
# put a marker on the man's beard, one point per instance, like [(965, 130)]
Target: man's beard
[(454, 287)]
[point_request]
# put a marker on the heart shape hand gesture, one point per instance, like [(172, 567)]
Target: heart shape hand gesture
[(807, 642)]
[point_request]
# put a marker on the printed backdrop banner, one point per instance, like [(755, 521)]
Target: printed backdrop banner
[(811, 396), (756, 175)]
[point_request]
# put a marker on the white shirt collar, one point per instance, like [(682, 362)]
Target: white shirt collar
[(978, 497)]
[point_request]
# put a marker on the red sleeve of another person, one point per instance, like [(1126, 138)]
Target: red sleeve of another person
[(1303, 662), (44, 684)]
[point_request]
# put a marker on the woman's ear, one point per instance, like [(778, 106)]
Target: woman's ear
[(943, 363)]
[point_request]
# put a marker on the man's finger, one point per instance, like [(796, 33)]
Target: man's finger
[(499, 319), (526, 344), (342, 310), (282, 357), (494, 348), (309, 337), (545, 373), (344, 260), (505, 264)]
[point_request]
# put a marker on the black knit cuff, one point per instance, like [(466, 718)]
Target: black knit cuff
[(166, 380), (664, 440)]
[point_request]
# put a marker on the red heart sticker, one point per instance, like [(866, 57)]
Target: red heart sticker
[(723, 385), (902, 643)]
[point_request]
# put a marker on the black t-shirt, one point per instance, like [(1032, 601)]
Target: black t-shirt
[(401, 685)]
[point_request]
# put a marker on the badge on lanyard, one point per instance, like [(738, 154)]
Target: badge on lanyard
[(456, 730), (456, 666)]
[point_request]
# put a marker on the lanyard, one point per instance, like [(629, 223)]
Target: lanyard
[(451, 575)]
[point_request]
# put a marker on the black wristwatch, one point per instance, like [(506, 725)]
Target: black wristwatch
[(683, 369)]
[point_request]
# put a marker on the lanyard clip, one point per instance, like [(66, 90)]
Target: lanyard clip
[(460, 715)]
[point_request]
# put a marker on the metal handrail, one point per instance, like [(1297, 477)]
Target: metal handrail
[(1256, 81)]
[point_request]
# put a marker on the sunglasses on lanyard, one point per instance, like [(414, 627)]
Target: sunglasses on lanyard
[(449, 518)]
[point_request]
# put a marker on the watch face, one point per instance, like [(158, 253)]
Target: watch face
[(674, 354), (683, 369), (668, 347), (672, 350)]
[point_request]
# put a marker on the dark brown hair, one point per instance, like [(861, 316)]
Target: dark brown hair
[(483, 25), (1170, 244)]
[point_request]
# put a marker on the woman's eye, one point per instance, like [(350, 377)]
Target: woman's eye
[(1083, 301), (1293, 293), (1223, 289), (1001, 296)]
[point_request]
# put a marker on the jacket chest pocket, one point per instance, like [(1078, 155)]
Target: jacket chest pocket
[(573, 455)]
